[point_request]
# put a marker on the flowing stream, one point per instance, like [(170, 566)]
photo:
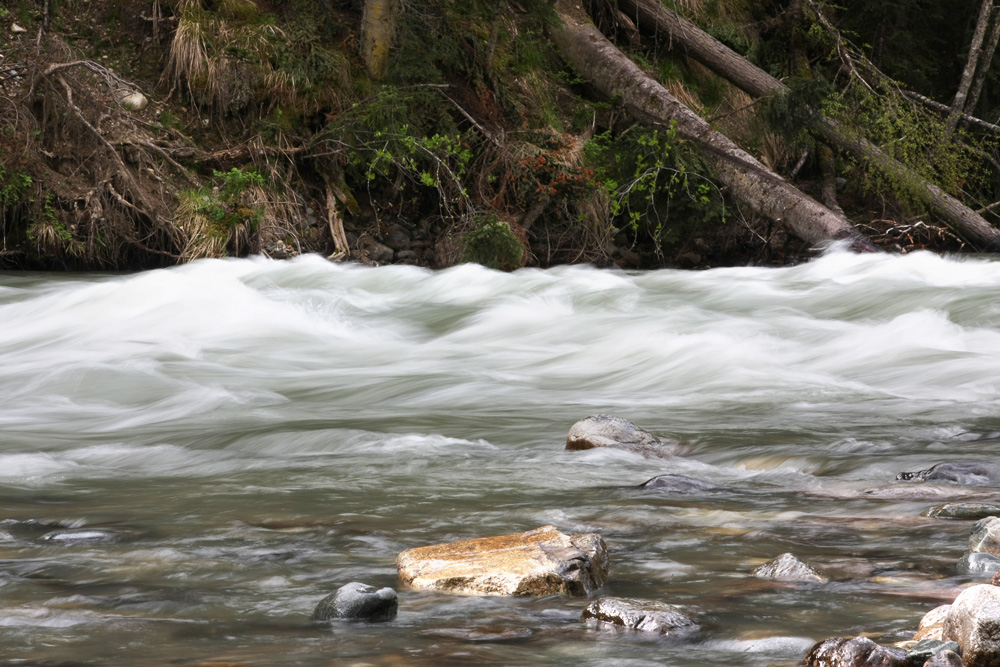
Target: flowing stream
[(191, 458)]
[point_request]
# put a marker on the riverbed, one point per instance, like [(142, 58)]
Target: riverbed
[(191, 458)]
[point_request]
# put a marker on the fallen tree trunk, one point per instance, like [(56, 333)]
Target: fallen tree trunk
[(739, 71), (749, 181)]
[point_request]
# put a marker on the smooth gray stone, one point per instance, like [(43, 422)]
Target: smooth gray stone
[(985, 537), (944, 659), (978, 563), (640, 615), (787, 567), (924, 649), (855, 652), (357, 601), (610, 431)]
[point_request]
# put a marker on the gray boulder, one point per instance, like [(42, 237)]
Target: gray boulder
[(974, 622), (985, 537), (978, 563), (640, 616), (855, 652), (358, 602), (787, 567), (609, 431)]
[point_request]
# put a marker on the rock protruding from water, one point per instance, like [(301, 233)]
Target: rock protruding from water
[(944, 659), (358, 602), (539, 562), (924, 650), (787, 567), (974, 622), (618, 433), (932, 624), (970, 474), (855, 652), (978, 563), (639, 615), (962, 511), (679, 485), (985, 537)]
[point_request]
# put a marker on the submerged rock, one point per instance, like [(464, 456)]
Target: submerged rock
[(639, 615), (974, 622), (855, 652), (539, 562), (82, 535), (358, 602), (961, 511), (679, 484), (973, 474), (609, 431), (978, 563), (787, 567), (985, 537)]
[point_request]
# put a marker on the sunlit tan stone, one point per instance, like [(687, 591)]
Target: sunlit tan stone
[(539, 562)]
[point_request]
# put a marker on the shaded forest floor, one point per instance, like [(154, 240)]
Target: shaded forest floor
[(144, 134)]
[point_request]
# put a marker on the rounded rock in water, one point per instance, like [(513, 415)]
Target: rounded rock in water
[(985, 537), (965, 511), (357, 601), (639, 615), (787, 567), (610, 431), (978, 563), (859, 651)]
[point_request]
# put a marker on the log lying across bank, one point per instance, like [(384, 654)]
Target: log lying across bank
[(756, 82), (749, 181)]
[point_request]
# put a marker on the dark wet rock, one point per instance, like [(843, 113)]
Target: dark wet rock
[(406, 256), (974, 622), (855, 652), (398, 238), (358, 602), (787, 567), (944, 659), (970, 474), (985, 537), (932, 624), (679, 484), (82, 535), (609, 431), (539, 562), (639, 615), (978, 563), (964, 511), (375, 251), (923, 650)]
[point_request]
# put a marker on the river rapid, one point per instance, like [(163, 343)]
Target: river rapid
[(191, 458)]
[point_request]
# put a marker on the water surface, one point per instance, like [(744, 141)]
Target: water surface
[(191, 458)]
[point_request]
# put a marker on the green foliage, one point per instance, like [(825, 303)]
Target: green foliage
[(226, 205), (657, 188), (15, 188), (493, 244)]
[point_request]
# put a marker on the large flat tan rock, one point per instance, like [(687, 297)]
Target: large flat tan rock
[(539, 562)]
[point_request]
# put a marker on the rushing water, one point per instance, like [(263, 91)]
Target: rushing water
[(190, 459)]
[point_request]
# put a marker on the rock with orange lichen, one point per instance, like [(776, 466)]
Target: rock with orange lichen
[(537, 563)]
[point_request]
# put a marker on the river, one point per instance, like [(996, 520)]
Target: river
[(191, 458)]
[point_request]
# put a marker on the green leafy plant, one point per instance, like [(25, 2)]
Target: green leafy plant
[(493, 244)]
